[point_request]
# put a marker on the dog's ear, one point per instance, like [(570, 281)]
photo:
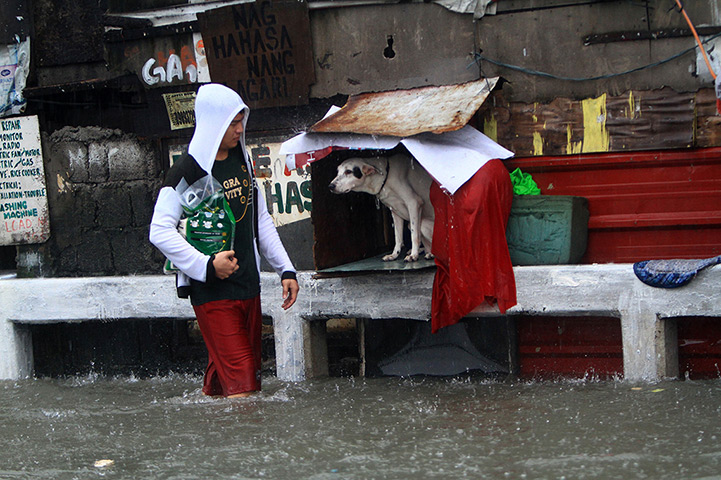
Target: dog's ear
[(369, 170)]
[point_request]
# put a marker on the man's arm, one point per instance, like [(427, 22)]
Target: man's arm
[(290, 292), (274, 252), (165, 236)]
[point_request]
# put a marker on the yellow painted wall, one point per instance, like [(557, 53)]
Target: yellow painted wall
[(595, 135)]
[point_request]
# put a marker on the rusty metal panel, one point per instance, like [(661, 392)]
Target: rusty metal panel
[(517, 126), (403, 113), (262, 50), (636, 120), (653, 119)]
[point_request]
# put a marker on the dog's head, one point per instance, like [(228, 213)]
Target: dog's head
[(353, 175)]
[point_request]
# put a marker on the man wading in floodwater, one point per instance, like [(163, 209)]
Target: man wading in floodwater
[(224, 288)]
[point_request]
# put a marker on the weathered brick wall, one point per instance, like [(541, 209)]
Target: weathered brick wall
[(101, 187)]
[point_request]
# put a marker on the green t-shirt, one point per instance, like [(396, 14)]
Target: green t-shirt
[(233, 175)]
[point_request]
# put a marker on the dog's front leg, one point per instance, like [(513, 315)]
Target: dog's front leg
[(414, 223), (398, 235)]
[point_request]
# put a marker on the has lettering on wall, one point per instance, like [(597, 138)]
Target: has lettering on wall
[(287, 192)]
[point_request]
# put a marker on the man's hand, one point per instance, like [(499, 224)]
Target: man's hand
[(225, 264), (290, 292)]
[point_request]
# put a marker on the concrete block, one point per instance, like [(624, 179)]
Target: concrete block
[(142, 201), (33, 261), (291, 349), (76, 154), (128, 160), (97, 162), (16, 351), (127, 258), (94, 254), (112, 206)]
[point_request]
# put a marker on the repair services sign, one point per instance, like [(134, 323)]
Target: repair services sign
[(23, 194)]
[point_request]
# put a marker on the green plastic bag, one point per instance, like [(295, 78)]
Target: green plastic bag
[(523, 183), (208, 223)]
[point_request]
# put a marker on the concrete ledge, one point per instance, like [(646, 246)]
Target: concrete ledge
[(649, 344)]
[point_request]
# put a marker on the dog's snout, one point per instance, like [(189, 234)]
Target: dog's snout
[(331, 186)]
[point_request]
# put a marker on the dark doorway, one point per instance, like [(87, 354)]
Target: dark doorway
[(7, 258)]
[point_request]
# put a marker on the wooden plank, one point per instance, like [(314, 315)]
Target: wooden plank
[(708, 120), (632, 35)]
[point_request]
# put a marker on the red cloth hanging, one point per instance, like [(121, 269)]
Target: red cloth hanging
[(469, 244)]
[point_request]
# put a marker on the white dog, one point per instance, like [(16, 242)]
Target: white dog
[(401, 186)]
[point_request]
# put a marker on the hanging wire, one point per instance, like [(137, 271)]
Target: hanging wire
[(698, 40), (478, 58), (83, 104)]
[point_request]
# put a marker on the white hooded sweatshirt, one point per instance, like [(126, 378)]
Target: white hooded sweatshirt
[(215, 107)]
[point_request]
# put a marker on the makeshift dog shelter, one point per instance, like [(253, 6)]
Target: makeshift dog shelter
[(431, 124)]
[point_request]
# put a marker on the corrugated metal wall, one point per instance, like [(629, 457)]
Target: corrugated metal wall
[(655, 204)]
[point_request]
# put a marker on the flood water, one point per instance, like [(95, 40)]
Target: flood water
[(356, 428)]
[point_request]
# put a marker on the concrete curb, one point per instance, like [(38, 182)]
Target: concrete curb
[(650, 348)]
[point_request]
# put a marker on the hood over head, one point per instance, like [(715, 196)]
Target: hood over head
[(215, 107)]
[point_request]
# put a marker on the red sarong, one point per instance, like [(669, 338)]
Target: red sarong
[(232, 333), (469, 244)]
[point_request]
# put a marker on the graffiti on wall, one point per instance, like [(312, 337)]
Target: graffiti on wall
[(177, 60), (167, 66)]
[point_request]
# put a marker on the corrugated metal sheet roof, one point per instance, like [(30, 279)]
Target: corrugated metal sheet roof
[(403, 113)]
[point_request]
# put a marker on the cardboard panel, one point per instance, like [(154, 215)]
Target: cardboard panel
[(261, 50)]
